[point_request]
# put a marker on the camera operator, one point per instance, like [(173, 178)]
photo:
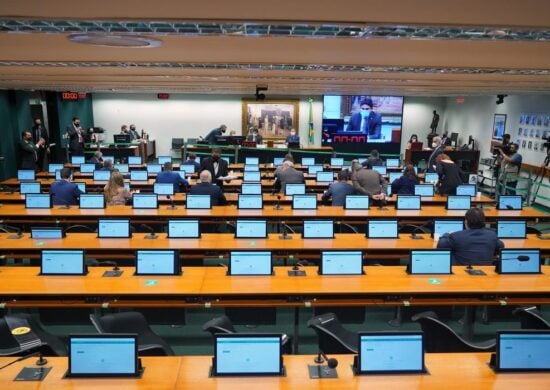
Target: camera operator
[(510, 167), (496, 153)]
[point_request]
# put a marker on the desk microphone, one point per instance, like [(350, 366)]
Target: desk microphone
[(508, 207), (172, 205), (115, 272), (296, 271), (277, 205), (321, 371), (284, 232), (152, 235), (18, 232), (40, 362)]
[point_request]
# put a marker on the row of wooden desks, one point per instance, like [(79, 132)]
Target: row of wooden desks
[(445, 371)]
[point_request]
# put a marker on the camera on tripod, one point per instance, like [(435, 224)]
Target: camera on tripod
[(546, 144), (505, 150)]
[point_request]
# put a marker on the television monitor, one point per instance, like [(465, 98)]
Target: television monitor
[(145, 201), (157, 262), (102, 175), (518, 261), (393, 176), (442, 226), (454, 139), (54, 167), (29, 187), (87, 168), (110, 158), (306, 161), (408, 202), (466, 189), (163, 188), (103, 355), (121, 138), (251, 188), (138, 176), (113, 228), (429, 262), (183, 228), (511, 229), (390, 353), (341, 263), (252, 176), (393, 163), (26, 175), (164, 159), (251, 228), (432, 177), (295, 189), (458, 202), (337, 161), (382, 229), (381, 169), (356, 202), (77, 160), (38, 201), (248, 354), (122, 168), (198, 202), (251, 167), (135, 160), (250, 201), (250, 263), (304, 202), (522, 350), (326, 177), (510, 202), (313, 169), (92, 201), (293, 145), (252, 160), (81, 186), (424, 189), (47, 233), (154, 168), (62, 262), (188, 168), (318, 229), (278, 160)]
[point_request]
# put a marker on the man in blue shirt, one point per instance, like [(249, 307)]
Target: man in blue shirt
[(168, 176), (192, 160), (339, 190), (64, 192)]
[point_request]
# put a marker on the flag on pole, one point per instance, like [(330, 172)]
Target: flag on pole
[(311, 132)]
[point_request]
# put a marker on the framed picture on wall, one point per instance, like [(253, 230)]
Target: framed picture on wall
[(499, 126), (273, 118)]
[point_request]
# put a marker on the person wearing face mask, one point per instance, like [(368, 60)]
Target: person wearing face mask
[(29, 150), (217, 166), (366, 120), (438, 149), (413, 139), (39, 131), (510, 168), (134, 136), (292, 137), (76, 138), (212, 134)]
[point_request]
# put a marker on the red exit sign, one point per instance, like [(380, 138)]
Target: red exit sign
[(163, 96), (73, 95)]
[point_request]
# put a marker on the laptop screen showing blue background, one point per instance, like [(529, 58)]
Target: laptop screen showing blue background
[(102, 175), (447, 226), (511, 229), (393, 176), (188, 168), (248, 355), (510, 201), (252, 160), (325, 176), (54, 167), (251, 176), (38, 201), (163, 188), (295, 189), (466, 189), (250, 263), (381, 169), (459, 202), (164, 159), (318, 229), (29, 187), (431, 177), (251, 188), (250, 201), (198, 202), (102, 355), (145, 201), (387, 353), (92, 201), (87, 168), (134, 160), (138, 176), (113, 228), (183, 228), (306, 161), (111, 158), (511, 261), (523, 351), (69, 262), (337, 161), (392, 163), (424, 190), (357, 202), (251, 167), (77, 160), (313, 169), (25, 174), (278, 160), (382, 229), (341, 263), (408, 202), (46, 233), (154, 168), (250, 228), (156, 262), (122, 168), (81, 185), (430, 262), (308, 202)]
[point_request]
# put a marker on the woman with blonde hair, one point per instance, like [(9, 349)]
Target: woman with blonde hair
[(115, 193)]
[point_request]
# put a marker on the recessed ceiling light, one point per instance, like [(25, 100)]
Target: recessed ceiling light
[(110, 40)]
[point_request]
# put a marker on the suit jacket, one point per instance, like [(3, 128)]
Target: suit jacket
[(208, 164), (74, 145), (373, 126), (40, 132), (292, 138), (28, 154), (338, 191), (216, 194), (289, 175), (449, 177), (64, 193), (212, 134), (403, 186), (471, 246), (180, 184), (431, 161), (369, 182), (259, 138)]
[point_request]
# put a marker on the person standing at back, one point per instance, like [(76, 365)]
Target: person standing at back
[(216, 165), (76, 138), (374, 160), (338, 190), (28, 150), (65, 192), (438, 149), (212, 134), (39, 131), (449, 175), (368, 182)]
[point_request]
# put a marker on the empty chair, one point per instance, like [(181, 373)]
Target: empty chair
[(43, 341), (438, 337), (531, 318), (150, 344), (333, 337)]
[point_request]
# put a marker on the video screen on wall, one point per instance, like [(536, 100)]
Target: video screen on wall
[(361, 119)]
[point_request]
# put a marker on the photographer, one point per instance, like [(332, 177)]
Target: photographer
[(510, 167), (496, 153)]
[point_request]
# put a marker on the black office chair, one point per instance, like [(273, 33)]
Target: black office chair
[(177, 143), (531, 318), (333, 338), (150, 344), (43, 341), (438, 337)]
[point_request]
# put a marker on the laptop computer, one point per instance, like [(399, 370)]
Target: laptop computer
[(522, 351), (157, 262), (163, 188), (381, 169), (518, 261), (382, 229), (295, 189), (138, 175), (183, 228), (429, 262), (341, 263), (431, 177), (47, 233), (466, 189), (254, 176), (252, 160), (135, 160), (325, 177), (510, 202), (38, 201), (458, 202), (26, 174), (318, 229), (511, 229), (87, 168), (29, 187), (442, 226), (154, 168), (337, 161), (393, 163), (251, 228), (102, 175), (114, 228), (198, 202), (92, 201), (62, 262), (424, 189), (250, 201), (145, 201), (251, 188), (408, 202), (356, 202), (304, 202), (250, 263), (313, 169), (77, 160)]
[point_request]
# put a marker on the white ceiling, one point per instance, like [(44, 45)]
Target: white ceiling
[(508, 60)]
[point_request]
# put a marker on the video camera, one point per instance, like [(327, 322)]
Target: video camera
[(546, 144), (505, 150)]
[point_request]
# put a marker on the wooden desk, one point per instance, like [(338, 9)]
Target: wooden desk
[(445, 371)]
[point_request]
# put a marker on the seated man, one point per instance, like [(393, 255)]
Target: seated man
[(97, 159), (292, 137), (205, 187), (192, 160), (254, 136), (288, 174), (169, 176), (475, 245), (63, 191), (107, 166), (368, 182), (338, 190)]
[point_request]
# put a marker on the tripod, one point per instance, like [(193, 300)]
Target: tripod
[(540, 176)]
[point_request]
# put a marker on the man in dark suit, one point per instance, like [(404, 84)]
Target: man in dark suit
[(292, 137), (438, 149), (367, 121), (205, 187), (338, 190), (212, 134), (475, 245), (65, 192), (287, 175), (254, 136), (169, 176), (39, 131), (76, 138), (134, 136), (217, 166), (29, 150)]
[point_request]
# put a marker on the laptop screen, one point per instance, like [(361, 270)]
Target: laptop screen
[(103, 355), (114, 228), (188, 168), (466, 189), (381, 169), (304, 202), (77, 160), (510, 202), (87, 168), (26, 174), (306, 161), (164, 159), (62, 262), (408, 202), (393, 176), (154, 168), (250, 201), (198, 202), (29, 187), (442, 226), (295, 189), (424, 189), (313, 169), (431, 177), (383, 352), (157, 262), (519, 261), (145, 201), (38, 201), (523, 350), (58, 174), (122, 168), (251, 228), (251, 189), (511, 229), (248, 354), (325, 176), (430, 262), (134, 160), (163, 188), (251, 176), (138, 176), (393, 163), (46, 232), (341, 263), (252, 160), (318, 229), (183, 228), (81, 185), (251, 167), (337, 161), (102, 175), (54, 167), (357, 202), (92, 201), (250, 263), (382, 229), (278, 160), (459, 202)]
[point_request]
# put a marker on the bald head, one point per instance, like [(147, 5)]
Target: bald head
[(205, 177)]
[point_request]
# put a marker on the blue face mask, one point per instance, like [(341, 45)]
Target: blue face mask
[(365, 113)]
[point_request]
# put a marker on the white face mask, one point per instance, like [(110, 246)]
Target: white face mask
[(293, 133), (434, 145)]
